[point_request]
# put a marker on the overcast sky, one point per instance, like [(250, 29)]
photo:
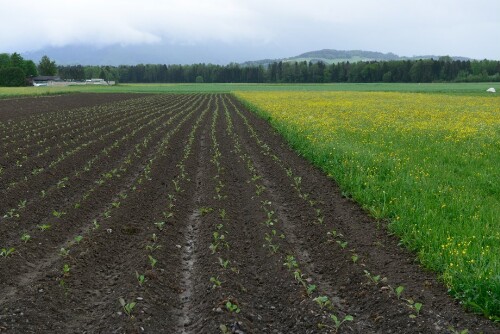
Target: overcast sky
[(276, 28)]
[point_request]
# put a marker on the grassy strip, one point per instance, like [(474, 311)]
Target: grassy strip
[(428, 163), (478, 89)]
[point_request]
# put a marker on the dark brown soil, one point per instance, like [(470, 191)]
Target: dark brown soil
[(14, 108), (207, 203)]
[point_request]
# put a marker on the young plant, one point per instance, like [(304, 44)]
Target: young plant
[(64, 252), (417, 307), (310, 289), (7, 251), (25, 237), (95, 224), (66, 270), (127, 307), (223, 263), (160, 225), (374, 279), (222, 214), (140, 278), (153, 247), (342, 244), (152, 261), (43, 227), (291, 263), (354, 258), (322, 301), (232, 307), (78, 238), (22, 204), (338, 322), (58, 214), (216, 282), (398, 291)]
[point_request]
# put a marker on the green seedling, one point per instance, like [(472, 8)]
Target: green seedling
[(160, 225), (43, 227), (168, 215), (334, 233), (25, 237), (374, 279), (216, 282), (78, 238), (154, 237), (223, 263), (107, 214), (338, 322), (62, 183), (153, 247), (222, 214), (127, 307), (22, 204), (176, 185), (64, 252), (417, 307), (342, 244), (291, 263), (310, 289), (7, 251), (95, 224), (66, 270), (223, 329), (322, 301), (354, 258), (274, 248), (205, 210), (11, 214), (232, 307), (152, 261), (399, 291), (299, 277), (115, 204), (58, 214), (140, 278)]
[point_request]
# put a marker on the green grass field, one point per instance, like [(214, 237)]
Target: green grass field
[(447, 88)]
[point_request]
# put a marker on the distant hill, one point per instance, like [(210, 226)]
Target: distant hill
[(330, 56)]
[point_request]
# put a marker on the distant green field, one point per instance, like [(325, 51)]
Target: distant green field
[(447, 88)]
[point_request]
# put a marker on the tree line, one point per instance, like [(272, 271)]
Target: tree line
[(443, 69), (15, 70)]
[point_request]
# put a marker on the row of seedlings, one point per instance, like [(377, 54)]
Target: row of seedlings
[(275, 241), (117, 172), (333, 236), (169, 215)]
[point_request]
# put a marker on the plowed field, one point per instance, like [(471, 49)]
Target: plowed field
[(188, 214)]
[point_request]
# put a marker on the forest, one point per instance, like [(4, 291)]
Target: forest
[(443, 69), (14, 71)]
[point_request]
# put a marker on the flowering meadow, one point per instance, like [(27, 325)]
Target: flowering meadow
[(429, 164)]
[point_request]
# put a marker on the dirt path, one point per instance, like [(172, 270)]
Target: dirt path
[(209, 223)]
